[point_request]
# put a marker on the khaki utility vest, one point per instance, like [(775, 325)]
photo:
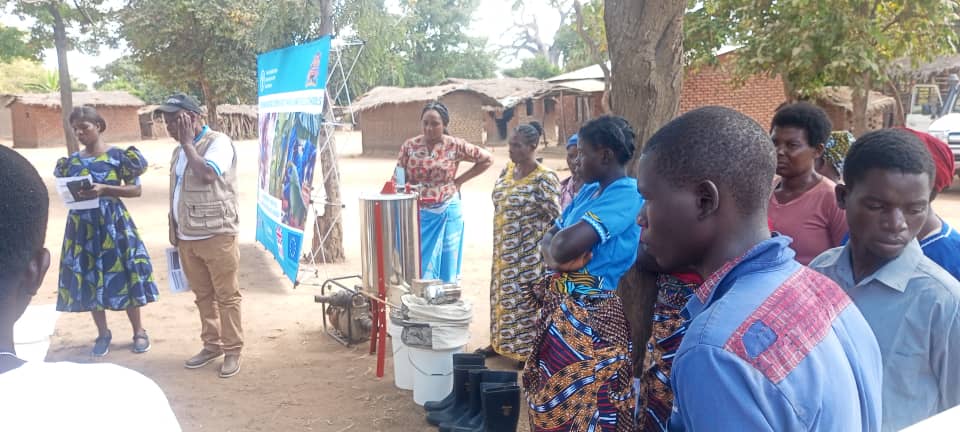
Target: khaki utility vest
[(205, 209)]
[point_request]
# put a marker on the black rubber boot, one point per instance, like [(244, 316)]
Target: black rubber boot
[(475, 420), (479, 380), (459, 359), (501, 410), (461, 397)]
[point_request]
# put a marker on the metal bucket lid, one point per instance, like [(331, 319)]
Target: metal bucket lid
[(386, 197)]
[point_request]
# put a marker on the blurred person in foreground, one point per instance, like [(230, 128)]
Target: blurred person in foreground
[(40, 396)]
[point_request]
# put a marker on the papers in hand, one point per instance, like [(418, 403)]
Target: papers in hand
[(178, 280), (67, 188)]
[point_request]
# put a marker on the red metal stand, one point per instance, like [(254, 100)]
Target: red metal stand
[(378, 337)]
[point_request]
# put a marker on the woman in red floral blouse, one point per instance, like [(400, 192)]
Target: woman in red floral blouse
[(431, 161)]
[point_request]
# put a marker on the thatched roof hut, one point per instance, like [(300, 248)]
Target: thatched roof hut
[(94, 99), (36, 119), (480, 110), (926, 72), (837, 101), (495, 93), (380, 96), (508, 92)]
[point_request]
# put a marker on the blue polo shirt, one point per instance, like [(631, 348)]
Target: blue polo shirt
[(944, 248), (772, 345), (612, 213)]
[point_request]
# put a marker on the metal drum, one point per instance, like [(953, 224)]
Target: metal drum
[(389, 242)]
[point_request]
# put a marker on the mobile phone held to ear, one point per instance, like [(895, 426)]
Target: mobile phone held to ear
[(78, 186)]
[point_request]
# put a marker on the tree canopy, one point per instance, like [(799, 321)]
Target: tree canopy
[(813, 43), (14, 44), (16, 75), (185, 43), (574, 51), (125, 74), (435, 45), (536, 67), (213, 46), (88, 24)]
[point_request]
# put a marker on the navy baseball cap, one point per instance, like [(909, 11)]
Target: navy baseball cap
[(180, 101)]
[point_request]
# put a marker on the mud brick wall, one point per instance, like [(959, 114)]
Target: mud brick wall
[(40, 126), (568, 121), (544, 111), (466, 116), (386, 127), (758, 97)]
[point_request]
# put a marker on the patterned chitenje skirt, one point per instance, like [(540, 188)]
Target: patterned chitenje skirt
[(579, 376), (655, 395)]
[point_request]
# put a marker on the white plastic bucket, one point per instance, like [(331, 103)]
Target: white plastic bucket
[(402, 370), (433, 373)]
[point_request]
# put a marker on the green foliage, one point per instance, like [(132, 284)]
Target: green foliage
[(17, 74), (13, 45), (575, 52), (435, 46), (194, 43), (87, 28), (49, 82), (812, 43), (126, 75), (212, 46), (536, 67), (382, 61)]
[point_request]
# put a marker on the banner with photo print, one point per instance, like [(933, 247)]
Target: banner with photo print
[(291, 90)]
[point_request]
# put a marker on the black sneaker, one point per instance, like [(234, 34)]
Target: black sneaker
[(102, 345)]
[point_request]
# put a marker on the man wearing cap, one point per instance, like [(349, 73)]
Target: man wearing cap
[(204, 225)]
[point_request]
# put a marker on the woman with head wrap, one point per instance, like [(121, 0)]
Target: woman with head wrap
[(430, 161), (526, 202), (939, 241), (830, 164), (571, 185)]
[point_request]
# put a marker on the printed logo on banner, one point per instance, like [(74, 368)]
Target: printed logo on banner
[(291, 85), (293, 247)]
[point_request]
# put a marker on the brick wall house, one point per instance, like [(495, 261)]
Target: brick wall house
[(36, 120), (385, 127), (500, 123), (758, 97), (387, 116)]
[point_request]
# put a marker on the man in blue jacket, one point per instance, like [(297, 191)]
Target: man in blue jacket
[(770, 344)]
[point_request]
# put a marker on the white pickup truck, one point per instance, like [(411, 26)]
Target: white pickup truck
[(937, 116)]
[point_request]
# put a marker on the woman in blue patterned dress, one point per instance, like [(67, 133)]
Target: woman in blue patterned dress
[(104, 265)]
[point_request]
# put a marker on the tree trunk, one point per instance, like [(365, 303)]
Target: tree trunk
[(645, 40), (638, 290), (326, 17), (789, 96), (213, 118), (210, 100), (900, 112), (66, 90), (860, 100), (328, 229)]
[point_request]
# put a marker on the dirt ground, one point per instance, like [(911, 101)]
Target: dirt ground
[(294, 377)]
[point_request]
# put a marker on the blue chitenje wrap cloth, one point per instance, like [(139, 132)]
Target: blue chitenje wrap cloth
[(441, 240)]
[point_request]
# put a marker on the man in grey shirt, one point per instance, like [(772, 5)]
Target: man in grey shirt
[(910, 302)]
